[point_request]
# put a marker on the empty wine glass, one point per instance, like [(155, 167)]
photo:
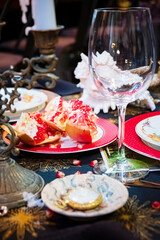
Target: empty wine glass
[(122, 61)]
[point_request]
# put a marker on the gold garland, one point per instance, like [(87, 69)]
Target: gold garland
[(142, 220), (22, 220), (46, 164)]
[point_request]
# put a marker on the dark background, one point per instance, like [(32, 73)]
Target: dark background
[(72, 14)]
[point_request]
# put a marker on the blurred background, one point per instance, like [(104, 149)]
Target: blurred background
[(75, 16)]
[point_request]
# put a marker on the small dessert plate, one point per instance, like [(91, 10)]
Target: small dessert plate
[(84, 196), (149, 131), (31, 101)]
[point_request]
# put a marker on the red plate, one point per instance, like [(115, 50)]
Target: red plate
[(107, 134), (134, 142)]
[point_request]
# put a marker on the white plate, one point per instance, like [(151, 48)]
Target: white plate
[(114, 194), (149, 131), (31, 101)]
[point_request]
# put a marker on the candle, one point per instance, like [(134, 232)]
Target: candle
[(23, 5), (43, 13)]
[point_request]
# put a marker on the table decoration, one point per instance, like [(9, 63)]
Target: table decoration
[(46, 36), (107, 133), (14, 179), (132, 216), (96, 100), (23, 220), (149, 131), (43, 66), (38, 222), (114, 194), (45, 33), (156, 78), (134, 142), (46, 163)]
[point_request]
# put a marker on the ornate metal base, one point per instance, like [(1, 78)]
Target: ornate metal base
[(14, 180)]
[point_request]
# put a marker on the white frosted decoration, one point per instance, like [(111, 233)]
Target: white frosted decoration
[(24, 9), (148, 99), (83, 195), (105, 59), (98, 102), (106, 68), (91, 95)]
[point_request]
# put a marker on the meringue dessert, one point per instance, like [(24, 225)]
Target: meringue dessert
[(83, 198)]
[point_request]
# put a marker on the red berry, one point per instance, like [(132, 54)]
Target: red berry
[(93, 163), (60, 174)]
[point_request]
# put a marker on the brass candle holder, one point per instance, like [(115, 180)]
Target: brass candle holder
[(43, 66), (14, 179)]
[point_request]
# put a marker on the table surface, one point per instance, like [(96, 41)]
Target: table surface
[(137, 218)]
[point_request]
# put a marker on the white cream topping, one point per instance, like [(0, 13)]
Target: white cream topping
[(83, 195)]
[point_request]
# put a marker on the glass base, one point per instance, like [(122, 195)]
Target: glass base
[(14, 181), (123, 172)]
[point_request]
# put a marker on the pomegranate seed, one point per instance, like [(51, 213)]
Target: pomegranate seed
[(58, 145), (60, 174), (76, 162), (93, 163), (49, 213), (78, 172), (156, 205), (80, 146)]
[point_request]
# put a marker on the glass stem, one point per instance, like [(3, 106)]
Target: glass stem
[(121, 125)]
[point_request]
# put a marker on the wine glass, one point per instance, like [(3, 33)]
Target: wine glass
[(122, 62)]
